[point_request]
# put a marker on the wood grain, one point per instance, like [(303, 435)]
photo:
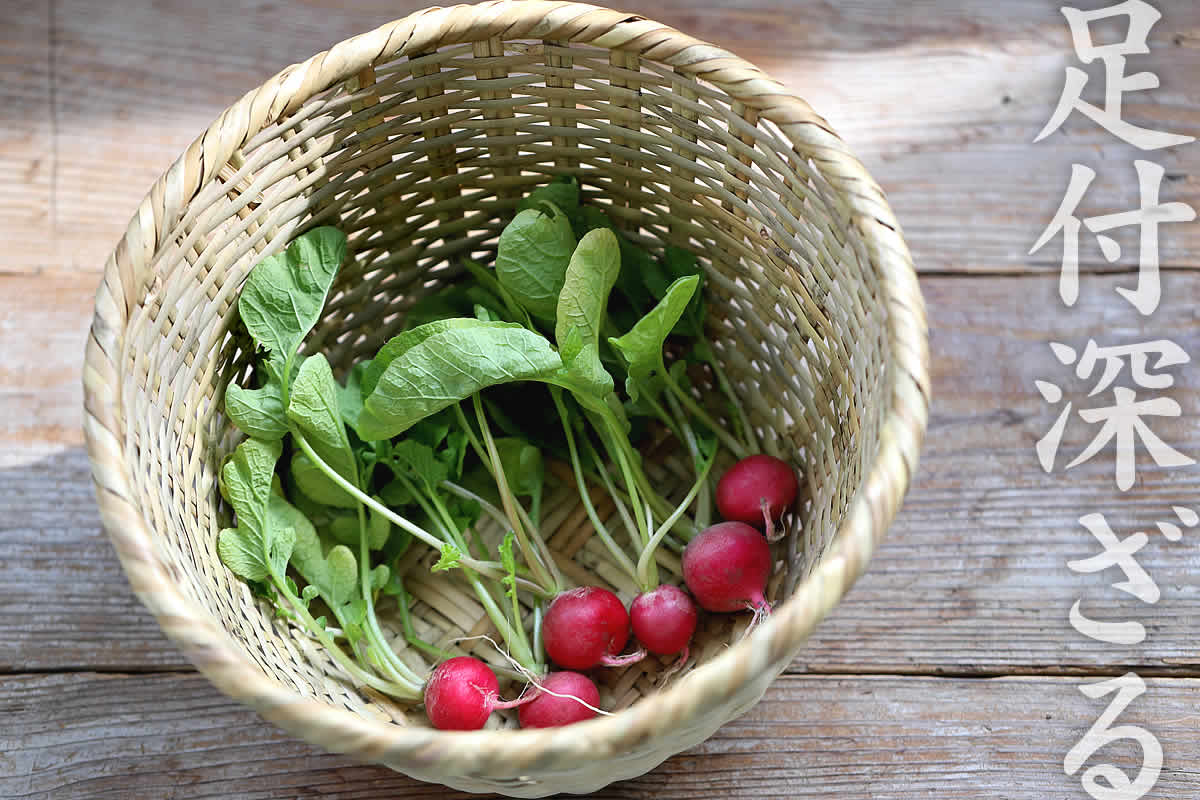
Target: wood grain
[(174, 737), (973, 576), (942, 102), (44, 318), (70, 604), (26, 136)]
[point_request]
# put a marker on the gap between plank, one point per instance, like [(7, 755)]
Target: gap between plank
[(1059, 671)]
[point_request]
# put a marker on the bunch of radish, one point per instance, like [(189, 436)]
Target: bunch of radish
[(446, 426), (725, 567)]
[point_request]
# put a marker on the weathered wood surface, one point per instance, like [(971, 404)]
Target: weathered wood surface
[(173, 737), (941, 101), (972, 579)]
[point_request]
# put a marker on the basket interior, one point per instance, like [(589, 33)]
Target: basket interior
[(421, 161)]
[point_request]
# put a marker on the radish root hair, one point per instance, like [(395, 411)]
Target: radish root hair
[(624, 661), (533, 680), (761, 611)]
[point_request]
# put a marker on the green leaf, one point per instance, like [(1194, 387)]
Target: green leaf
[(563, 192), (589, 218), (315, 409), (420, 463), (397, 545), (310, 592), (380, 576), (522, 465), (532, 257), (449, 558), (450, 366), (463, 513), (266, 591), (590, 276), (343, 575), (636, 262), (509, 562), (642, 347), (650, 271), (334, 574), (350, 396), (396, 493), (318, 513), (258, 547), (248, 476), (304, 541), (317, 486), (480, 481), (242, 551), (454, 453), (353, 628), (284, 293), (503, 304), (280, 542), (379, 528), (432, 430), (345, 529), (257, 412), (401, 344), (246, 482), (394, 586), (682, 263)]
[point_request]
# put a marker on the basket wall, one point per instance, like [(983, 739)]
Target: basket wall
[(420, 151)]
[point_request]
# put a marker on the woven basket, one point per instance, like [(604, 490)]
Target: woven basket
[(417, 139)]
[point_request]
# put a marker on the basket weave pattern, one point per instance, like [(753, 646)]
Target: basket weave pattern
[(417, 139)]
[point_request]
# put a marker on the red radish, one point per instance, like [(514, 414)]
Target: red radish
[(664, 620), (586, 627), (726, 568), (549, 710), (757, 490), (462, 692)]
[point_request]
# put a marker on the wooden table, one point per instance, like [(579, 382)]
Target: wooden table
[(950, 671)]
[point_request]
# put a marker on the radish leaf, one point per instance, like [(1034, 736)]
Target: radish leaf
[(589, 279), (450, 366), (283, 296), (532, 257), (642, 346)]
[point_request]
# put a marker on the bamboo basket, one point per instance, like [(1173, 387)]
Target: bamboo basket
[(417, 139)]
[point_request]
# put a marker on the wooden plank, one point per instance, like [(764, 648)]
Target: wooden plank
[(172, 736), (26, 136), (70, 604), (972, 578), (44, 320), (941, 102), (140, 79)]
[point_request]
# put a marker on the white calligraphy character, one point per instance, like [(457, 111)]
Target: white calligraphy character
[(1123, 421), (1148, 216), (1142, 17)]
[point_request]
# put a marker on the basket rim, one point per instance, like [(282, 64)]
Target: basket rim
[(765, 652)]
